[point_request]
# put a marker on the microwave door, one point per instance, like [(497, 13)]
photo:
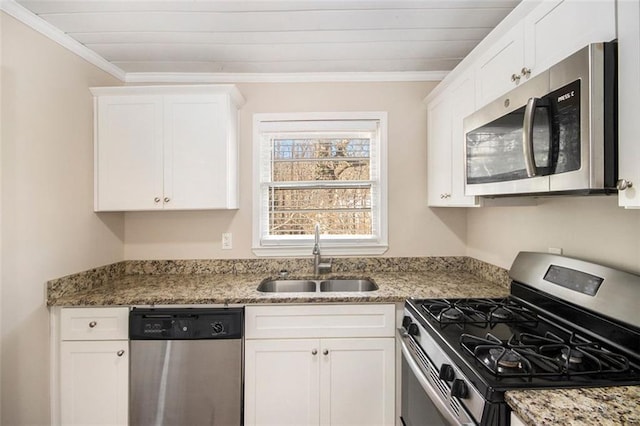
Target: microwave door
[(501, 160)]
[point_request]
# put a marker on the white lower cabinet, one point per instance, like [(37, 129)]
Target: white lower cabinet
[(94, 366), (357, 381), (344, 380), (94, 382)]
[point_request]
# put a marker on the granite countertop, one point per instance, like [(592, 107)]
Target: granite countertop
[(169, 289), (234, 281), (584, 407)]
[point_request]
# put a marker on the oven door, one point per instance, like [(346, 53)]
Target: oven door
[(425, 398)]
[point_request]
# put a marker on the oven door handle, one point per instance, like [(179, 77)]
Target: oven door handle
[(527, 137), (424, 382)]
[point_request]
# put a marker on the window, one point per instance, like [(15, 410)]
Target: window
[(325, 168)]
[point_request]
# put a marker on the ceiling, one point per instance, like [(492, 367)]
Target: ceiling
[(286, 36)]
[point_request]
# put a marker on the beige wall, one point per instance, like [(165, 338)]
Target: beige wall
[(592, 228), (48, 226), (414, 229)]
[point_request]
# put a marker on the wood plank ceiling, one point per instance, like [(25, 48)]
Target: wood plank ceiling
[(286, 36)]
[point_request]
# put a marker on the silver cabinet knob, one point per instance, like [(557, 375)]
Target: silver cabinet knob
[(120, 352), (623, 184), (314, 352), (515, 78), (325, 352), (167, 199), (526, 72), (157, 199), (92, 324)]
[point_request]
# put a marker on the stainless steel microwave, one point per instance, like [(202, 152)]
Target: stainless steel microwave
[(556, 133)]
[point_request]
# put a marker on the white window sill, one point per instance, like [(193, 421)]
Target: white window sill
[(326, 250)]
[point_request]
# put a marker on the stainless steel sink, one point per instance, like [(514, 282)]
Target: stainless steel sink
[(287, 286), (348, 285), (312, 286)]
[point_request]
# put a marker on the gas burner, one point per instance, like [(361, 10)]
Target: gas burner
[(572, 356), (452, 314), (505, 360), (501, 314)]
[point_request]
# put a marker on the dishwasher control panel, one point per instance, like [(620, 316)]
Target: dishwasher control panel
[(185, 323)]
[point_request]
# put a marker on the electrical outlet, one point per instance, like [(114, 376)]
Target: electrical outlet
[(554, 250), (227, 242)]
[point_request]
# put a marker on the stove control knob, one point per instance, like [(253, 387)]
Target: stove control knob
[(446, 373), (459, 389), (406, 321), (413, 330)]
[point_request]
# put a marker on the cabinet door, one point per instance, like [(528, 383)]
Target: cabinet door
[(128, 153), (94, 382), (629, 101), (558, 28), (197, 172), (462, 105), (357, 382), (439, 152), (498, 65), (281, 382)]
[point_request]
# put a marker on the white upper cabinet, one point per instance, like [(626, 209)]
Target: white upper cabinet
[(445, 146), (550, 32), (557, 28), (629, 103), (439, 143), (166, 147), (499, 69)]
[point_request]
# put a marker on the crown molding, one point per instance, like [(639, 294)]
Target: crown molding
[(168, 77), (38, 24)]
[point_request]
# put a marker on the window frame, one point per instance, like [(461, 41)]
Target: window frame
[(330, 245)]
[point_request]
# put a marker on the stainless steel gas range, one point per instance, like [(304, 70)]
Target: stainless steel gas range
[(566, 323)]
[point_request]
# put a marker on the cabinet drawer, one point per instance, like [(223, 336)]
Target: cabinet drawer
[(267, 322), (94, 323)]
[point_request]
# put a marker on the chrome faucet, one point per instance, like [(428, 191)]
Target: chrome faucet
[(320, 266)]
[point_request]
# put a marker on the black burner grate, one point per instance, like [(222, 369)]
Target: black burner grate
[(529, 356), (478, 312)]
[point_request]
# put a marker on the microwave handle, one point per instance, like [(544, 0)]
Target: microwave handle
[(527, 137)]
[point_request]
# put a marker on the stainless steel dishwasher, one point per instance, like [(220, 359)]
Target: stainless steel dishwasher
[(186, 366)]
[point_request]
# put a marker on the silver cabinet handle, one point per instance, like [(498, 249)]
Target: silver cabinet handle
[(443, 196), (92, 324), (515, 78), (120, 352), (325, 352), (526, 72), (623, 184), (314, 352), (156, 200), (167, 199)]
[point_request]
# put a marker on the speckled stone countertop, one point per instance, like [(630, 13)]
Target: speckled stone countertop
[(241, 289), (235, 282), (584, 407)]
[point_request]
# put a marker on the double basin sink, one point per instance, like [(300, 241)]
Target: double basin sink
[(312, 286)]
